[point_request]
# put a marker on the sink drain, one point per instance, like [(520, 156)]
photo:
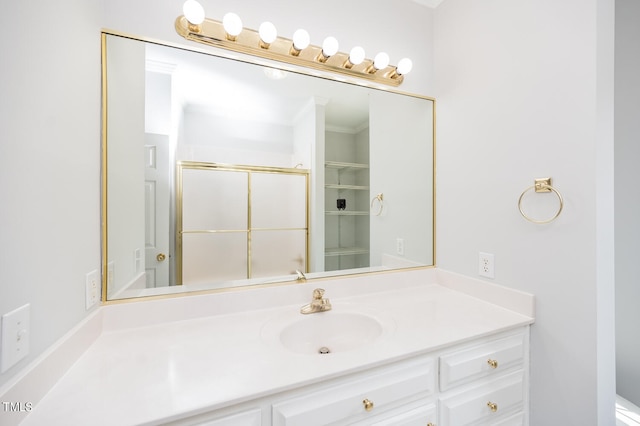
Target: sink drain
[(324, 350)]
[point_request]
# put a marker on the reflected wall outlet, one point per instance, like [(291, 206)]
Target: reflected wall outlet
[(485, 264), (92, 288), (15, 337), (400, 246), (137, 260)]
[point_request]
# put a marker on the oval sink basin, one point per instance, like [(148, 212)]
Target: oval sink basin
[(333, 331), (330, 332)]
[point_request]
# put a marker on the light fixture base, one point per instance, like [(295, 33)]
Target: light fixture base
[(212, 33)]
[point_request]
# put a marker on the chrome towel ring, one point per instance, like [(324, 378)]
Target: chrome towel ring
[(541, 185), (379, 198)]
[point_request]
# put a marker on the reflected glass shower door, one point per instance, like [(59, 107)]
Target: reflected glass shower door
[(239, 222), (278, 224), (214, 225)]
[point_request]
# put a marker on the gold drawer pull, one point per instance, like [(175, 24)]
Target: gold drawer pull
[(431, 424), (368, 404), (492, 363), (493, 406)]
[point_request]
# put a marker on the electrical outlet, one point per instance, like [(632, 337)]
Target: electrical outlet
[(485, 265), (15, 337), (92, 288), (400, 246), (137, 260)]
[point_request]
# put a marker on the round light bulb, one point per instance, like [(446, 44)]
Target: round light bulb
[(404, 66), (329, 46), (232, 24), (381, 61), (193, 11), (356, 56), (301, 39), (268, 32)]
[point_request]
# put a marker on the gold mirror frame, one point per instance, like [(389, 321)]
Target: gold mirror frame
[(317, 72)]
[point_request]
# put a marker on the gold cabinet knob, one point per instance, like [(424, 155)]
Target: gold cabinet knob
[(431, 424), (160, 257), (492, 363), (368, 404), (492, 406)]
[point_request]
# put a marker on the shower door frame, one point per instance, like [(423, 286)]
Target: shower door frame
[(198, 165)]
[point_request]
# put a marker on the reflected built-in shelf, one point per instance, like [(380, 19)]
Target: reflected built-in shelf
[(346, 213), (346, 167), (341, 251), (353, 187), (338, 165)]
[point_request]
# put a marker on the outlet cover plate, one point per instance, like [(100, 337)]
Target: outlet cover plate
[(15, 337), (486, 265), (92, 288)]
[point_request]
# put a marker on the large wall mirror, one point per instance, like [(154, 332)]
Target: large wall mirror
[(222, 173)]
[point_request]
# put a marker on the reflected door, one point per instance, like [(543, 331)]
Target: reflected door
[(156, 209)]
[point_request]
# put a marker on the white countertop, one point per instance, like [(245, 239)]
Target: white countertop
[(168, 370)]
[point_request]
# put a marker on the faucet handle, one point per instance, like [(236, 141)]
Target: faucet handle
[(318, 293)]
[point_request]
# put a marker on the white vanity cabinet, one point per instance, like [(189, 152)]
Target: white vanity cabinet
[(481, 382), (403, 393), (486, 382), (251, 417)]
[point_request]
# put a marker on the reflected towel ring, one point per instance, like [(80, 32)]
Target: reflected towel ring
[(380, 198), (541, 185)]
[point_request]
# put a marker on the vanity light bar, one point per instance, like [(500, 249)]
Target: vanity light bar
[(324, 58)]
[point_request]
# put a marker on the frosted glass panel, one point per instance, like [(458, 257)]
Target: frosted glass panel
[(278, 201), (277, 252), (214, 200), (208, 258)]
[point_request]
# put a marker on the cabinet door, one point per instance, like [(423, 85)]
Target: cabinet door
[(345, 403), (485, 402)]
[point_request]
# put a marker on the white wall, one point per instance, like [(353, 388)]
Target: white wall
[(627, 204), (49, 162), (215, 138), (524, 90)]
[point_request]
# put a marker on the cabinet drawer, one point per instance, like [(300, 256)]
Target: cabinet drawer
[(473, 407), (421, 416), (513, 420), (480, 361), (385, 388)]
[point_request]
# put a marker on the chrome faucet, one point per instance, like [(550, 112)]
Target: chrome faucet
[(318, 304)]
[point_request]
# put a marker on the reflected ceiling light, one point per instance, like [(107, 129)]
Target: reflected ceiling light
[(329, 48), (268, 34), (356, 57), (274, 73), (232, 25), (194, 12), (266, 43)]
